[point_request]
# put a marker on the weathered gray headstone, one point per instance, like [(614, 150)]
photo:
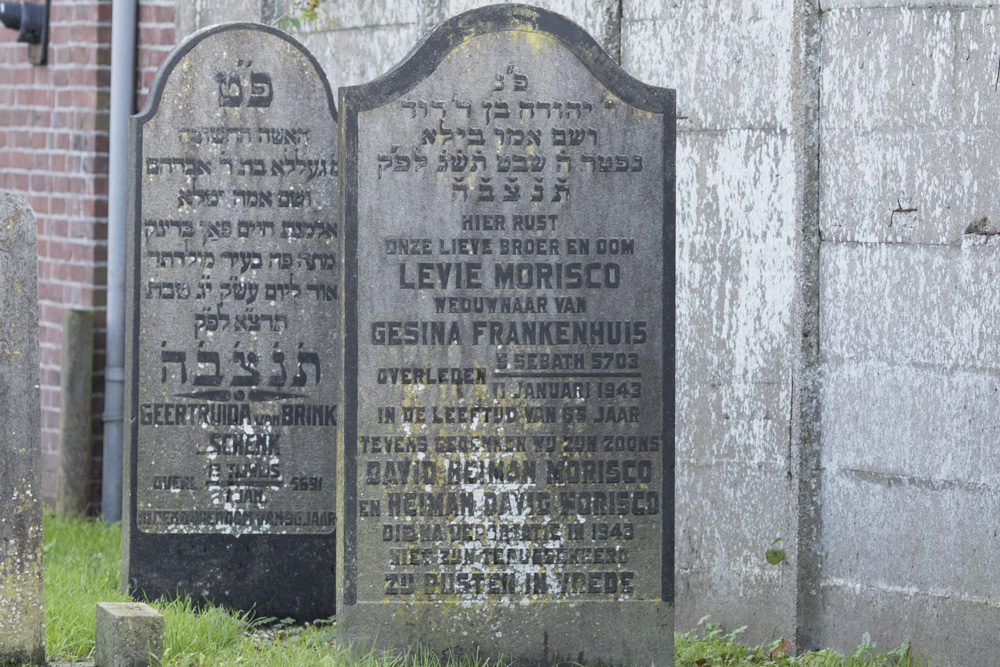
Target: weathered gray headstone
[(507, 486), (22, 636), (234, 361)]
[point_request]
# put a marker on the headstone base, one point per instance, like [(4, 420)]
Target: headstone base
[(624, 633)]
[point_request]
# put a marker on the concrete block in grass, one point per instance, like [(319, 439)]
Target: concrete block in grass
[(128, 634)]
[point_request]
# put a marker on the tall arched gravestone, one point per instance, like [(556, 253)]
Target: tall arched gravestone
[(507, 481), (22, 635), (235, 354)]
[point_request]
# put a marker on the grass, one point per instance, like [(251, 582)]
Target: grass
[(82, 568), (712, 647)]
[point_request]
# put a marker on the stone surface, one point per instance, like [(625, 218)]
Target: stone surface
[(692, 44), (910, 124), (508, 446), (910, 387), (234, 359), (747, 232), (910, 301), (22, 636), (127, 634), (75, 397)]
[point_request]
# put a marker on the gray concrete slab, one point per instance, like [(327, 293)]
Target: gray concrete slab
[(22, 635)]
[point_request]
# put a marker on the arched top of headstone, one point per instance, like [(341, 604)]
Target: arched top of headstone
[(206, 36), (448, 35)]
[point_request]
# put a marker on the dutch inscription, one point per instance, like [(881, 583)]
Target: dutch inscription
[(237, 295), (508, 438)]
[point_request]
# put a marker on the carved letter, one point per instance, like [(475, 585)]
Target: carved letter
[(261, 92), (228, 97), (172, 357)]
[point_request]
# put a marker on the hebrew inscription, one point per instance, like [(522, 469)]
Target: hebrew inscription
[(237, 254)]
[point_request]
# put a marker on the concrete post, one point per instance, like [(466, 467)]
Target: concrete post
[(76, 381), (22, 636), (127, 634)]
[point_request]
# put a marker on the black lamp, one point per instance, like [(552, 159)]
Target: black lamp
[(31, 19)]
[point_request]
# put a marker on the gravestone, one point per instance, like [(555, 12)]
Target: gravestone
[(507, 487), (234, 358), (22, 637)]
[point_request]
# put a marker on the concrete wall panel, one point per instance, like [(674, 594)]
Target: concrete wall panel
[(910, 115), (882, 517), (911, 393), (907, 187), (921, 306), (888, 70), (737, 224), (929, 620), (356, 55), (726, 521), (337, 16), (915, 422), (730, 62), (833, 5), (358, 42)]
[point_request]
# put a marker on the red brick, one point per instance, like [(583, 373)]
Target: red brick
[(48, 291), (82, 76), (43, 118), (53, 149), (17, 117), (40, 205), (50, 419), (81, 273), (85, 12), (59, 12)]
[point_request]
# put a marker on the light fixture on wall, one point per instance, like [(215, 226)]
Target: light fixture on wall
[(31, 19)]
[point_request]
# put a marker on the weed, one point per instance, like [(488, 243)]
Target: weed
[(713, 647)]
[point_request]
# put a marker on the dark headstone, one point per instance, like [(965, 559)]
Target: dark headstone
[(22, 639), (234, 358), (508, 203)]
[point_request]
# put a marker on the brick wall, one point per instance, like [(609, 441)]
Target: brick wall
[(54, 152), (156, 38), (54, 124)]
